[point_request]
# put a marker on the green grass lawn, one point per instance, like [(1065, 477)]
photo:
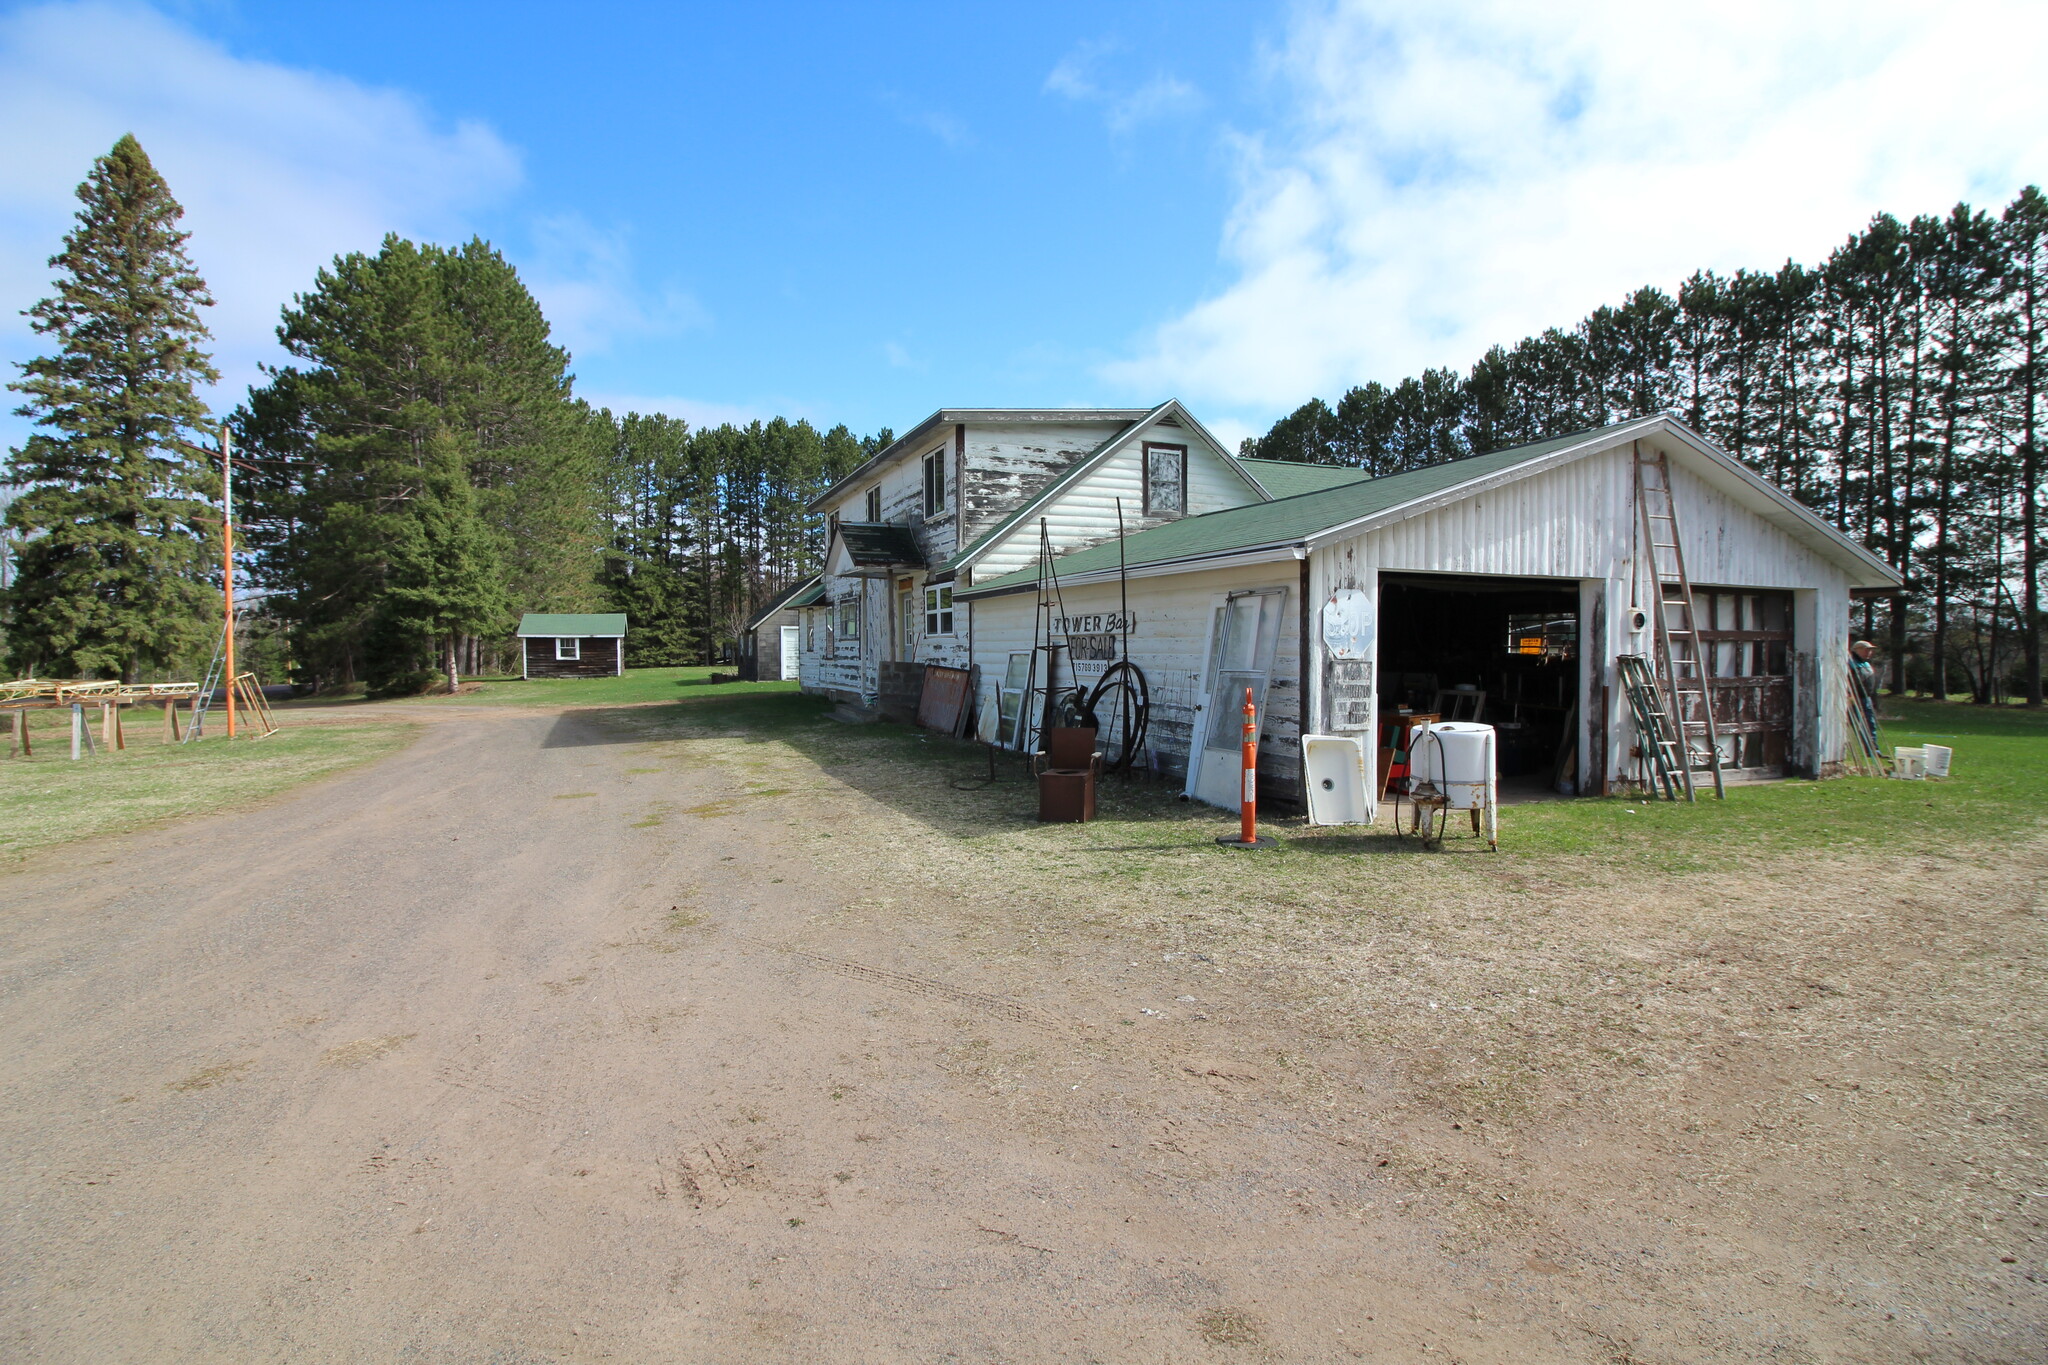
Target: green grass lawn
[(635, 685), (1999, 791), (48, 799)]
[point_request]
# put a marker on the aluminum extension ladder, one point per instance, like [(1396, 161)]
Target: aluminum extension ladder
[(204, 700), (1663, 748), (1684, 663)]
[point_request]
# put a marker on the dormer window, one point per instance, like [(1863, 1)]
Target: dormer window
[(874, 512), (935, 482), (1166, 480)]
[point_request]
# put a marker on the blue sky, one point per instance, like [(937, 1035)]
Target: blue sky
[(861, 213)]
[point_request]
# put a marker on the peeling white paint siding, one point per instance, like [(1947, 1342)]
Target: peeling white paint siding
[(1578, 521), (1008, 463), (1084, 514), (838, 665), (1169, 641)]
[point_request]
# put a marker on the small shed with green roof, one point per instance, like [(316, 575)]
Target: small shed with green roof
[(572, 644)]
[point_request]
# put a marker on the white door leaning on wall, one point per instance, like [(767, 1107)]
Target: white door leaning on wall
[(1244, 638), (791, 651)]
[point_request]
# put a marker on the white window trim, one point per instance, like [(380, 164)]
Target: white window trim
[(1146, 451), (568, 648), (938, 610), (935, 465)]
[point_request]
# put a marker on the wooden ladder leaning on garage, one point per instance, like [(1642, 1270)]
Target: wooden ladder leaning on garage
[(1683, 662)]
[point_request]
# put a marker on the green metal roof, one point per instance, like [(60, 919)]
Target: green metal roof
[(584, 624), (810, 596), (1284, 520), (786, 600), (1285, 478)]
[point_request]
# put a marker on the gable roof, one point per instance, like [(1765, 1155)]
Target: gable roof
[(1285, 478), (583, 624), (946, 417), (1082, 467), (785, 600), (1347, 508)]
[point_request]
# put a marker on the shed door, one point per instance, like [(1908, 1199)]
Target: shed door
[(1750, 634), (1244, 636), (791, 651)]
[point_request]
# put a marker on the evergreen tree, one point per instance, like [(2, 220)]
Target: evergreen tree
[(111, 517), (372, 433), (533, 461), (2024, 229), (443, 580)]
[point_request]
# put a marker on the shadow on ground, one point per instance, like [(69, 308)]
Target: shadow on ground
[(946, 784)]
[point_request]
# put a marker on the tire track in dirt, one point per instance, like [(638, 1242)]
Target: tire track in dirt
[(998, 1006)]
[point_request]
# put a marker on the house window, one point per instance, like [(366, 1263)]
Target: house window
[(935, 482), (568, 647), (906, 616), (875, 503), (938, 610), (1166, 480), (849, 619)]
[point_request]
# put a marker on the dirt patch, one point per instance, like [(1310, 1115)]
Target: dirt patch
[(363, 1051), (210, 1076)]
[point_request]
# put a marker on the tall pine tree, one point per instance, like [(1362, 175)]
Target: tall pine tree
[(113, 561), (427, 473)]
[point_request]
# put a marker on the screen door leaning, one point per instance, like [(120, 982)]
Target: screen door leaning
[(1243, 640)]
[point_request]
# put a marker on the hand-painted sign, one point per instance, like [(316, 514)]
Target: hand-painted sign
[(1091, 648), (1110, 621)]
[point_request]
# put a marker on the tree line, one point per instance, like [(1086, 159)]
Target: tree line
[(1896, 388), (417, 474)]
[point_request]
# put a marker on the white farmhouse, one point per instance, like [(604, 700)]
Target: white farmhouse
[(1506, 583)]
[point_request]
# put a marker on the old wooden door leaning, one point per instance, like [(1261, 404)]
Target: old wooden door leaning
[(1244, 637)]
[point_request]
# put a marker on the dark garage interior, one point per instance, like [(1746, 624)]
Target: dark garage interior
[(1504, 651)]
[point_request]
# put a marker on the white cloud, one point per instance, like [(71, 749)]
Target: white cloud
[(697, 412), (899, 357), (947, 128), (584, 280), (1459, 175), (1075, 76), (278, 169)]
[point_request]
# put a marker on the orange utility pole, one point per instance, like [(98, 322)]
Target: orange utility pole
[(227, 559)]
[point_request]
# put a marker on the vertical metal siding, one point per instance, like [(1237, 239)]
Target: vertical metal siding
[(1577, 522)]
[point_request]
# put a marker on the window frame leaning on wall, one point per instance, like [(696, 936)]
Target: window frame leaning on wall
[(1177, 453)]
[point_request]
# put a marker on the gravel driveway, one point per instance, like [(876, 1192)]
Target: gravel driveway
[(532, 1043)]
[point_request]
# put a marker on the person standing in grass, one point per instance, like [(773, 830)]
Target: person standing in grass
[(1864, 674)]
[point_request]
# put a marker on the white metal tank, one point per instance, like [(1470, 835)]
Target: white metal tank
[(1457, 758)]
